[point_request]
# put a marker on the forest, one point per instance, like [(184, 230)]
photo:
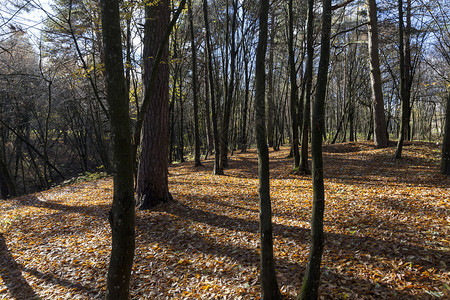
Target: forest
[(229, 149)]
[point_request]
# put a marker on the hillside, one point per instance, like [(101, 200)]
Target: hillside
[(386, 222)]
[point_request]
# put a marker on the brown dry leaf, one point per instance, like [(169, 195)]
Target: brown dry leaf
[(386, 223)]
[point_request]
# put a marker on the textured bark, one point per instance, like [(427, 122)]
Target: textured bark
[(304, 166), (217, 169), (269, 285), (152, 183), (381, 137), (195, 88), (121, 215), (445, 163), (310, 287), (294, 89), (162, 50)]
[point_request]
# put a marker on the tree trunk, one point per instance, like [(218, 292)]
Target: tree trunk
[(152, 183), (162, 52), (181, 121), (269, 285), (408, 70), (403, 89), (195, 88), (381, 137), (7, 185), (209, 134), (445, 163), (294, 89), (243, 141), (304, 167), (270, 108), (310, 287), (121, 215), (224, 141), (217, 169)]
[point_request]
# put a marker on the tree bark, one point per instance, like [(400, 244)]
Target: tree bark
[(195, 88), (243, 140), (445, 163), (310, 287), (403, 89), (152, 183), (304, 166), (121, 215), (229, 93), (217, 168), (269, 285), (209, 134), (270, 108), (381, 137), (294, 88)]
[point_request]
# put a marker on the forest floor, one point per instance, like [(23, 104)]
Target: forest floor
[(387, 229)]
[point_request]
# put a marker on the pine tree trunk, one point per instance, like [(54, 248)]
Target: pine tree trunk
[(152, 183)]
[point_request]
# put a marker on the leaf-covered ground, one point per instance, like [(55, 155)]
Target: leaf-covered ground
[(387, 229)]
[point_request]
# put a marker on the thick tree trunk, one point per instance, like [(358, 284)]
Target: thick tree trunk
[(195, 88), (217, 169), (154, 74), (294, 89), (445, 163), (310, 287), (121, 215), (304, 166), (152, 183), (381, 137), (269, 285)]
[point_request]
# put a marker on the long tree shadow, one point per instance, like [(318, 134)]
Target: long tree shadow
[(11, 274), (191, 242), (17, 285), (99, 211), (389, 248)]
